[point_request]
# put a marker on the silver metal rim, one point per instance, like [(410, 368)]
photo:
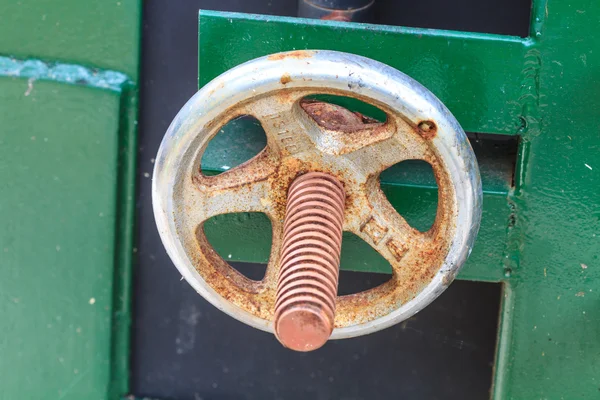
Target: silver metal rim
[(345, 72)]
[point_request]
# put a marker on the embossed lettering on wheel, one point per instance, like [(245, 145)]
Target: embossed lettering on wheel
[(306, 136)]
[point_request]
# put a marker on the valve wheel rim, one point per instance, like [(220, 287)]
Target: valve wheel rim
[(418, 126)]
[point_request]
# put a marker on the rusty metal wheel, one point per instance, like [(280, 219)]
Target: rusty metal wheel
[(304, 136)]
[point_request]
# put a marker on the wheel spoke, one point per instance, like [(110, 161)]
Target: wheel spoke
[(272, 273), (383, 228), (278, 117), (336, 130), (244, 188), (415, 257), (402, 143)]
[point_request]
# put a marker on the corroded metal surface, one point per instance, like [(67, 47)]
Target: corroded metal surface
[(310, 261), (337, 10), (311, 136)]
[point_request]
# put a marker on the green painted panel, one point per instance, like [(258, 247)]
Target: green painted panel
[(457, 67), (487, 261), (100, 34), (58, 178), (551, 346)]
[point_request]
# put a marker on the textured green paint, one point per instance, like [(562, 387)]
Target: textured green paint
[(98, 34), (542, 238), (68, 103), (551, 348), (57, 238)]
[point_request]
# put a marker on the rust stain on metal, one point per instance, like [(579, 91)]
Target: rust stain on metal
[(258, 168), (415, 259), (427, 129), (449, 278), (285, 79), (334, 117), (338, 15), (346, 131), (297, 54), (417, 263)]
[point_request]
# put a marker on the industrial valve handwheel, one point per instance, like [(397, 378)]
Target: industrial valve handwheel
[(317, 177)]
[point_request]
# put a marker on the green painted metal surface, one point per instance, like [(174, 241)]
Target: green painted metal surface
[(540, 237), (68, 103), (95, 34)]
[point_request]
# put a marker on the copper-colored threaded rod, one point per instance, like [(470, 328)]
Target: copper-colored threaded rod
[(310, 259)]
